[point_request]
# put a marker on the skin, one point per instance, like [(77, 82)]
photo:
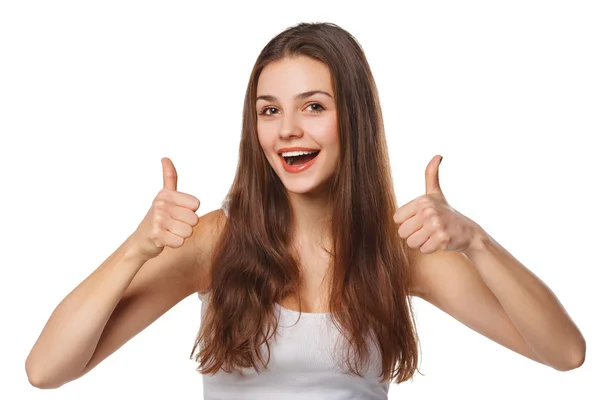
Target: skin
[(284, 120), (460, 268)]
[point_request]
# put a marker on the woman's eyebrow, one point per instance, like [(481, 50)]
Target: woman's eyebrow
[(300, 96)]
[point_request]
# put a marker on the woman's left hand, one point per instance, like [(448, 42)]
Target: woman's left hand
[(428, 222)]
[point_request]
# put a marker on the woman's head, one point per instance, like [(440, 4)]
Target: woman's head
[(296, 111), (254, 266), (340, 117)]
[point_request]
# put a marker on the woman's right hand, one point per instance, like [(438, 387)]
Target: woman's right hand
[(169, 221)]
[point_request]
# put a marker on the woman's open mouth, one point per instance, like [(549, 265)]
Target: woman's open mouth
[(298, 161)]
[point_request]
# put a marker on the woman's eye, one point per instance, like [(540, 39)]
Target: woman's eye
[(268, 111), (315, 107)]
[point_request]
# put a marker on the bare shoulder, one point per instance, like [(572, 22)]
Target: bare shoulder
[(434, 275), (431, 273), (207, 233)]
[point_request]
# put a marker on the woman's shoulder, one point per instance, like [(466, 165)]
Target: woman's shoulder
[(206, 235), (209, 229)]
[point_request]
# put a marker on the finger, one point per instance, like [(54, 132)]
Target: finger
[(406, 211), (169, 174), (411, 226), (184, 215), (178, 228), (432, 176), (431, 245), (184, 200), (419, 238), (171, 240)]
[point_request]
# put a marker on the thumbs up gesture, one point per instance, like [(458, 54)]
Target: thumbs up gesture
[(170, 220), (429, 223)]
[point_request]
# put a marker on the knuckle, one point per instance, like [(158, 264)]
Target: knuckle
[(164, 193), (161, 197), (424, 201), (155, 233), (160, 203), (428, 211), (159, 218)]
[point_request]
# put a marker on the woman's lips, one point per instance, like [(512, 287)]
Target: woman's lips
[(297, 168)]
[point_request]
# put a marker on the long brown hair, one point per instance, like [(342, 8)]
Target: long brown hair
[(253, 266)]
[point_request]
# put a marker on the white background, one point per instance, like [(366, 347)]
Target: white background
[(93, 94)]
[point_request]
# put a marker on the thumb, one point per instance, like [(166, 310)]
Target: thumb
[(169, 174), (432, 176)]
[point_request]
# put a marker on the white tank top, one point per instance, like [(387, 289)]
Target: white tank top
[(302, 366)]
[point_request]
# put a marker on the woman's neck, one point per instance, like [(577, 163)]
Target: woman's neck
[(312, 218)]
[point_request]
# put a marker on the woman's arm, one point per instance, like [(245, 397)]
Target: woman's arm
[(123, 296), (466, 273), (489, 290), (165, 260)]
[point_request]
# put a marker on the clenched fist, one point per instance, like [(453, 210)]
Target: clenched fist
[(170, 220)]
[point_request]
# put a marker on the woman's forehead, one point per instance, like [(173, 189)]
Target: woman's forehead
[(288, 77)]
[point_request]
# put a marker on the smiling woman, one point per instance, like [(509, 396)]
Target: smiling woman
[(307, 271), (314, 183), (296, 108)]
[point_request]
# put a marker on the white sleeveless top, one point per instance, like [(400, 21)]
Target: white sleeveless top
[(302, 366)]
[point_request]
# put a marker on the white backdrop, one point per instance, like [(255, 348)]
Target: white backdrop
[(93, 94)]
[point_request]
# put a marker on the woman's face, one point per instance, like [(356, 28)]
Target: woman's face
[(296, 114)]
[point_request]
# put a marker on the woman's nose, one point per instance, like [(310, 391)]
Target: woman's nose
[(289, 127)]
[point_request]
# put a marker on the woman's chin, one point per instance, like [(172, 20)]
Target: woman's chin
[(312, 189)]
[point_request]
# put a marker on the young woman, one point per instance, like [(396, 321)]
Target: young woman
[(306, 272)]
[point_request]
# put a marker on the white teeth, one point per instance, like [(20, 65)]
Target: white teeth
[(297, 153)]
